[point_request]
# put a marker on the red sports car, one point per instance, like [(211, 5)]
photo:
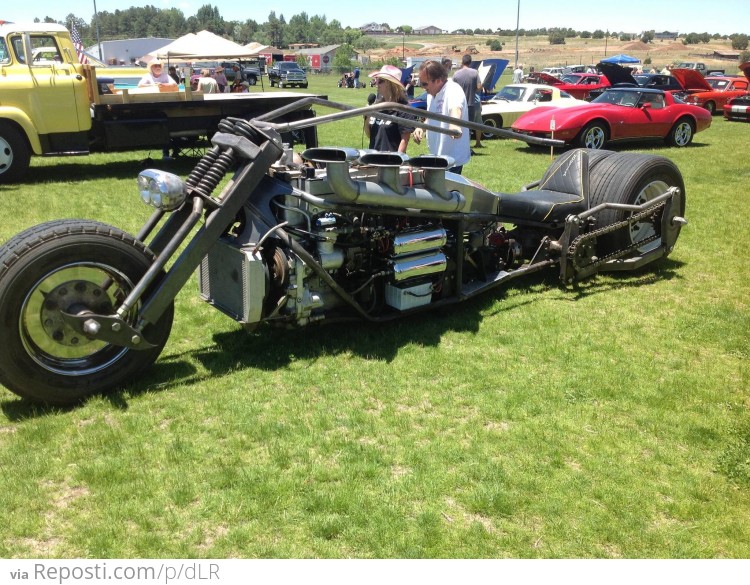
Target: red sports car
[(576, 84), (738, 109), (620, 113), (715, 91)]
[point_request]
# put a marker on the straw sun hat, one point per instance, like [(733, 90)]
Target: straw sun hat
[(389, 72)]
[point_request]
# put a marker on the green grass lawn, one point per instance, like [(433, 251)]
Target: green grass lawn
[(607, 420)]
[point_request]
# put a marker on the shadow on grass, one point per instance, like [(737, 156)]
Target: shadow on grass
[(78, 171), (271, 349)]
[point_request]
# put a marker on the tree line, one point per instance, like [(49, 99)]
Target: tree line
[(149, 21)]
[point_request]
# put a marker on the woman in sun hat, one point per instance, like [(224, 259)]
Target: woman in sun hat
[(385, 135), (156, 75)]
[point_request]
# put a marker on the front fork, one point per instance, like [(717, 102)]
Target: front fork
[(157, 289)]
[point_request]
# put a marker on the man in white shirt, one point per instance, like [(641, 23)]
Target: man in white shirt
[(518, 74), (445, 96)]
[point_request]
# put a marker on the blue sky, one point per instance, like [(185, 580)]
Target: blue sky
[(718, 16)]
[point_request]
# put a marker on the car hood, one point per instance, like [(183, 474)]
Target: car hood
[(539, 118), (545, 78), (691, 79), (489, 71), (616, 73)]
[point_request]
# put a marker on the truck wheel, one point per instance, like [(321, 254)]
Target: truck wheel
[(632, 179), (15, 154), (493, 122), (281, 85), (73, 266), (252, 80), (303, 86), (681, 133), (593, 136)]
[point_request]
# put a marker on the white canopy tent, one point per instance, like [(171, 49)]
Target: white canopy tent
[(200, 46)]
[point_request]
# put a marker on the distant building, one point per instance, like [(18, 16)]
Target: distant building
[(126, 51), (373, 28), (320, 59), (665, 36), (427, 30)]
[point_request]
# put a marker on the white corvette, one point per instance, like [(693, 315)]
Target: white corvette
[(509, 103)]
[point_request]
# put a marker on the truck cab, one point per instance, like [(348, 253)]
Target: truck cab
[(44, 102), (287, 74)]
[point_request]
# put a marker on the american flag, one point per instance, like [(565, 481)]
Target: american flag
[(76, 37)]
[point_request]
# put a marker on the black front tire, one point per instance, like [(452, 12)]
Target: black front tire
[(15, 154), (73, 266)]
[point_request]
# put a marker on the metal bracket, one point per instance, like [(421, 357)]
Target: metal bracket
[(109, 328)]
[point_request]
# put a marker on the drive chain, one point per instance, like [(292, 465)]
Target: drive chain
[(600, 260)]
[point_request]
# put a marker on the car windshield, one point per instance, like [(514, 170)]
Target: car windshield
[(510, 93), (618, 98), (717, 83), (572, 78)]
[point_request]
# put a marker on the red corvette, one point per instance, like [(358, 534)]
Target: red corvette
[(576, 84), (715, 91), (620, 113)]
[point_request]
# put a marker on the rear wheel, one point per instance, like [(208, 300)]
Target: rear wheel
[(632, 179), (593, 136), (681, 133), (493, 121), (15, 154), (75, 267)]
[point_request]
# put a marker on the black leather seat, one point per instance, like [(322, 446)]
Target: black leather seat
[(563, 190)]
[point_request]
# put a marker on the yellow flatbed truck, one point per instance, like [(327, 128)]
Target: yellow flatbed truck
[(51, 105)]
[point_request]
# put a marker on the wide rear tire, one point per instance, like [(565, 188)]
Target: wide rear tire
[(633, 179), (71, 266)]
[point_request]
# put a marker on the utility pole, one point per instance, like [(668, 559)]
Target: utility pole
[(518, 17), (98, 40)]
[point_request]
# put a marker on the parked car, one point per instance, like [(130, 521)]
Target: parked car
[(579, 85), (700, 68), (619, 76), (713, 92), (518, 98), (738, 109), (620, 113), (287, 74), (554, 71), (489, 71)]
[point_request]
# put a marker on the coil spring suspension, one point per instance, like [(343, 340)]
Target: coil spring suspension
[(216, 163)]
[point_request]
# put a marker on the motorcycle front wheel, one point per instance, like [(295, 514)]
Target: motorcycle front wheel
[(73, 266)]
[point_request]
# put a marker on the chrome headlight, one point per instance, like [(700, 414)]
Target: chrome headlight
[(160, 189)]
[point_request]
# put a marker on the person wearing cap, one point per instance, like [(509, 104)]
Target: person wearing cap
[(445, 96), (387, 135), (156, 75)]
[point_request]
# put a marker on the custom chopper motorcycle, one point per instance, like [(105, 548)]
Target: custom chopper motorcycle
[(341, 234)]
